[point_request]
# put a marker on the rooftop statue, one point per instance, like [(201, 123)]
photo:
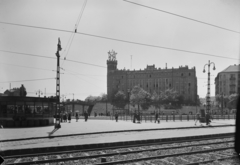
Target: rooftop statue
[(112, 55)]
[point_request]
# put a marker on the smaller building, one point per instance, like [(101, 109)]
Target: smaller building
[(16, 111), (227, 81), (79, 107)]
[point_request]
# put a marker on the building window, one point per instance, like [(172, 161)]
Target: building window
[(122, 76), (189, 84), (189, 74), (182, 74), (150, 76)]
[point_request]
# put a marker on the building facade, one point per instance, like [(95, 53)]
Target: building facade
[(227, 82), (151, 79)]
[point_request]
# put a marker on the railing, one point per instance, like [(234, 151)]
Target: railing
[(151, 118)]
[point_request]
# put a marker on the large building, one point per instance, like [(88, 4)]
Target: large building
[(227, 81), (182, 79)]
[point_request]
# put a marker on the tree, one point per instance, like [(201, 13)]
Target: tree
[(103, 97), (138, 96), (23, 91), (147, 102), (92, 99), (170, 96), (157, 100), (119, 100), (232, 103)]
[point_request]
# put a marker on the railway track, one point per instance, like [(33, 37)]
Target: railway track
[(189, 150)]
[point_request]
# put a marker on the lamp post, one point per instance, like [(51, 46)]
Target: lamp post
[(39, 92), (208, 89)]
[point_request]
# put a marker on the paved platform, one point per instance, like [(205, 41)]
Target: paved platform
[(93, 126), (111, 138), (105, 131)]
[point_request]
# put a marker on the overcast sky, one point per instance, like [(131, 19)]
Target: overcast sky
[(115, 19)]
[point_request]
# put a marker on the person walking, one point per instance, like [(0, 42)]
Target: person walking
[(86, 116), (207, 119), (173, 115), (134, 117), (197, 118), (116, 117), (69, 117), (156, 117), (76, 117)]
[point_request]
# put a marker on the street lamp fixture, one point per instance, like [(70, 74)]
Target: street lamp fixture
[(208, 89)]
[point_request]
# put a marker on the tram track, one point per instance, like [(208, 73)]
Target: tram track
[(143, 152)]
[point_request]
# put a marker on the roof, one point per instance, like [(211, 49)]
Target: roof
[(232, 68)]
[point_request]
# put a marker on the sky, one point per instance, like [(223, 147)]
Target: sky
[(116, 19)]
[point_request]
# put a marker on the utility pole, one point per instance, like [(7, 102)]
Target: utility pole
[(57, 124)]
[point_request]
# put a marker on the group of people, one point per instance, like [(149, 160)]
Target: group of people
[(208, 118), (136, 117), (64, 117)]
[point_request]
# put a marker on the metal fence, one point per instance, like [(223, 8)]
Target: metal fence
[(151, 118)]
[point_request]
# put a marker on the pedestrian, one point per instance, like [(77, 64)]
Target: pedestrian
[(138, 117), (116, 117), (156, 117), (173, 114), (76, 116), (134, 117), (207, 119), (61, 117), (86, 116), (197, 118), (65, 117), (69, 117), (1, 126)]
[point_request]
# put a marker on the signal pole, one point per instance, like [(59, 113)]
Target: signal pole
[(57, 124)]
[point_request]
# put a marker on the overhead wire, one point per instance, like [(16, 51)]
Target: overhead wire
[(87, 81), (26, 80), (130, 42), (83, 75), (34, 55), (156, 46), (195, 20), (26, 66), (75, 30)]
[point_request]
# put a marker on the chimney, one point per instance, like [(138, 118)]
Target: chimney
[(166, 65)]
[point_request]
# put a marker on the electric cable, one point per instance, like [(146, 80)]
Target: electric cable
[(182, 16), (130, 42), (75, 30), (26, 80), (34, 55)]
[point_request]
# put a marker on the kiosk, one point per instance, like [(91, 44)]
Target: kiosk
[(18, 111)]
